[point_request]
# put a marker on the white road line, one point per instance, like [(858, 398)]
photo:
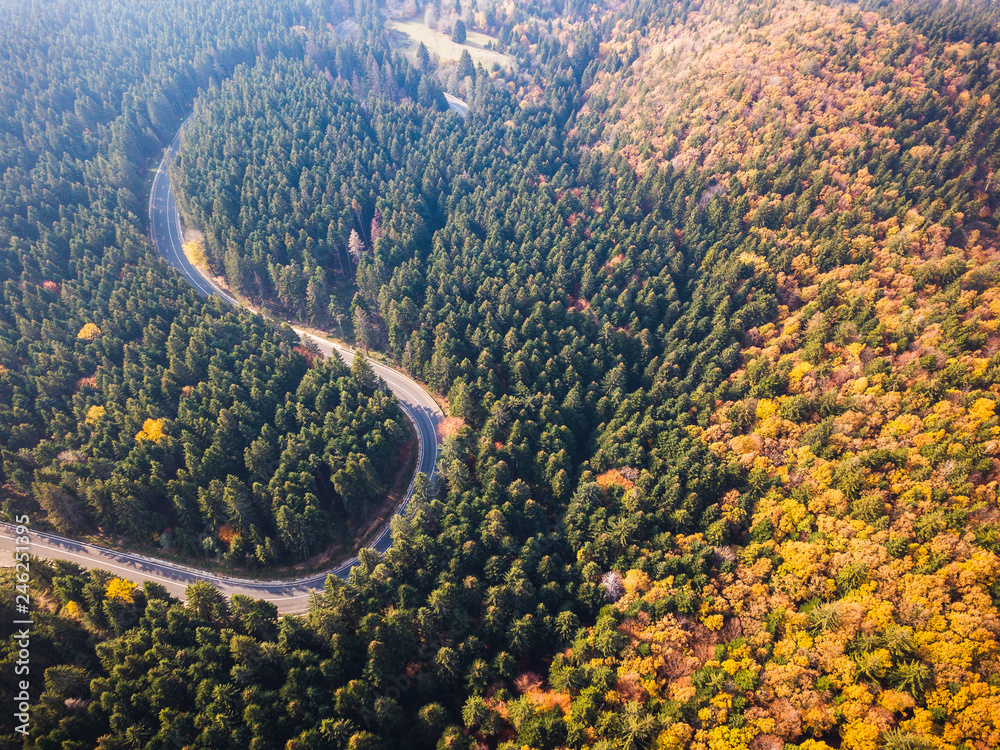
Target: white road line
[(104, 563)]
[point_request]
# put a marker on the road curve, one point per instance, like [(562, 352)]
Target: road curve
[(290, 596), (456, 105)]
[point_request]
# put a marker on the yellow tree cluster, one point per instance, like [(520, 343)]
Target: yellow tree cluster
[(120, 590), (95, 414), (89, 332), (870, 584), (152, 430), (195, 253)]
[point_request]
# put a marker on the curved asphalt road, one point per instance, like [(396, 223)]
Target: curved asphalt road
[(456, 105), (291, 596)]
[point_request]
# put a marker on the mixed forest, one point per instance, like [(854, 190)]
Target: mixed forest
[(711, 290)]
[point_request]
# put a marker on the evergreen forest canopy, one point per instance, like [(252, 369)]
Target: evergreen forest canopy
[(131, 407), (712, 289)]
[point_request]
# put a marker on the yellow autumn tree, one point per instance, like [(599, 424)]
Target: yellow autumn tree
[(89, 332), (152, 430), (120, 590), (195, 252), (95, 414)]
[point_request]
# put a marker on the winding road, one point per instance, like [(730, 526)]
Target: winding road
[(290, 596), (456, 105)]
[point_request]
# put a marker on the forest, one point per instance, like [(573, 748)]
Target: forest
[(711, 291), (132, 410)]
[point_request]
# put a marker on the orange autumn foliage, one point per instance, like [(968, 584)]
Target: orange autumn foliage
[(614, 477), (226, 533), (309, 355)]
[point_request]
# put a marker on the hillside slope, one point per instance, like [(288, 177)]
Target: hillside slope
[(856, 598)]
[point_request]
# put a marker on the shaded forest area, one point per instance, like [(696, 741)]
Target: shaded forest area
[(712, 291)]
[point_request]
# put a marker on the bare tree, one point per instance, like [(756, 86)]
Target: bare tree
[(613, 586), (355, 245)]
